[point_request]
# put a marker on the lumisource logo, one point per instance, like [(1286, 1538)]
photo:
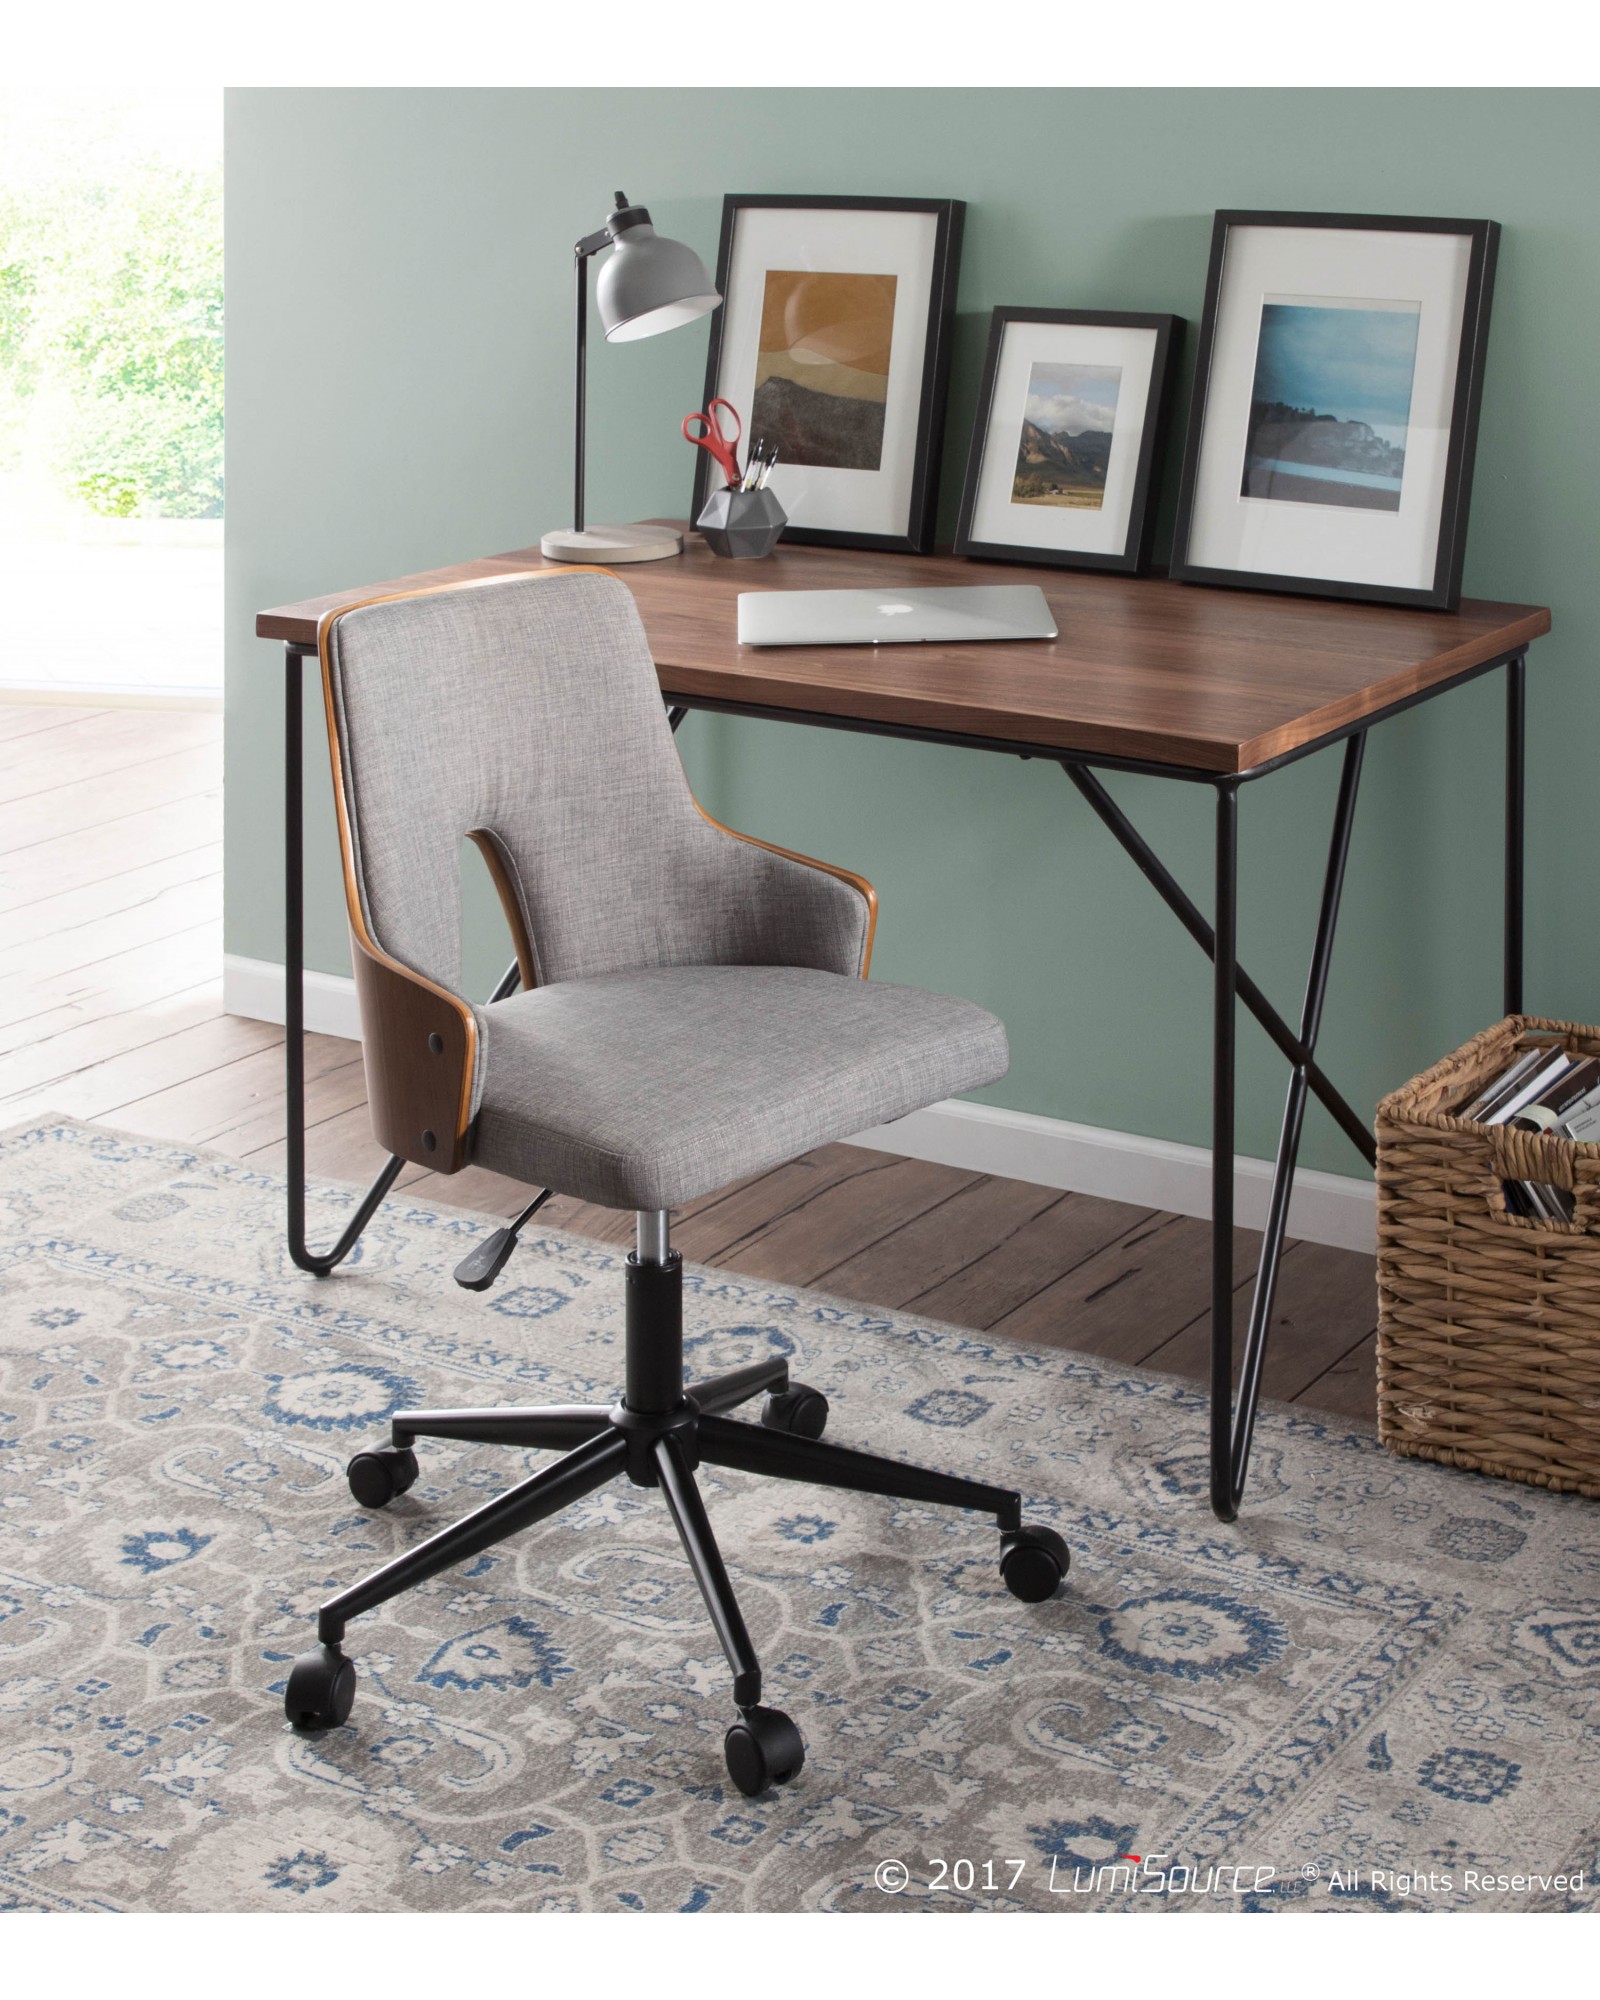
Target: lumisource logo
[(1144, 1875)]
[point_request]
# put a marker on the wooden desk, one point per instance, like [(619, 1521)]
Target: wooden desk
[(1206, 686)]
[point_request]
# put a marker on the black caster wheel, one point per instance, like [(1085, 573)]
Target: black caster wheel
[(1033, 1562), (322, 1686), (377, 1477), (800, 1411), (763, 1748)]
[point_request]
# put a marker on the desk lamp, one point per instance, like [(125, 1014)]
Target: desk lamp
[(647, 285)]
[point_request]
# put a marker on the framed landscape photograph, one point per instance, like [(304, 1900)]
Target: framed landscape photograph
[(1066, 444), (833, 344), (1335, 411)]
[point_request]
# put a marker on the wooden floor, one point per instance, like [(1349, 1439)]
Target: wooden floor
[(111, 1008)]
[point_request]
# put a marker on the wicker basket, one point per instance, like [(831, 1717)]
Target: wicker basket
[(1488, 1322)]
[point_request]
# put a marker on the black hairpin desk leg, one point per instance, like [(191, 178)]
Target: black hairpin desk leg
[(1233, 1414), (1232, 1429), (1233, 1424), (1224, 995), (1516, 779), (318, 1263), (294, 1007)]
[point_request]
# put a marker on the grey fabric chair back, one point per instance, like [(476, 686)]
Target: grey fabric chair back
[(528, 708)]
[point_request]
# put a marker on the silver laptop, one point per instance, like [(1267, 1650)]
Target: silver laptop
[(893, 617)]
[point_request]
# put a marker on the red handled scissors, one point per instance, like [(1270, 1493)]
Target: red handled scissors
[(714, 439)]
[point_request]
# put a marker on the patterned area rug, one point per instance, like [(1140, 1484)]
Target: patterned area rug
[(1380, 1690)]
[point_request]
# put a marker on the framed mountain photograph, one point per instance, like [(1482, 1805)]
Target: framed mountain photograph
[(1063, 465), (1335, 411), (833, 344)]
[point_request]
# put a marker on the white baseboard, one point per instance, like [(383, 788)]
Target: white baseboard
[(982, 1138), (1125, 1166), (253, 987)]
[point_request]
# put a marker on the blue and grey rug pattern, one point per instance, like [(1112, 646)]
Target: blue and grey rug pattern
[(1380, 1690)]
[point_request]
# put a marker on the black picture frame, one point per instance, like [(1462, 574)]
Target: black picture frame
[(918, 536), (1444, 592), (1134, 558)]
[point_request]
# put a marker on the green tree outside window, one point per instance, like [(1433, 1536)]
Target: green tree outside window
[(111, 345)]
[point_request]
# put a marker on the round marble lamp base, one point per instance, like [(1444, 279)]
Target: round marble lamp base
[(641, 541)]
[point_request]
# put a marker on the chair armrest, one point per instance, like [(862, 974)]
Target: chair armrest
[(419, 1047), (833, 930)]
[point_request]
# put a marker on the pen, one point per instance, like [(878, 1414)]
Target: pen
[(766, 469)]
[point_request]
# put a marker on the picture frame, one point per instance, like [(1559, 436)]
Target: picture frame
[(833, 342), (1334, 422), (1063, 467)]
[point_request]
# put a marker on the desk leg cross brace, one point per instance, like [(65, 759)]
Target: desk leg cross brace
[(1232, 1428)]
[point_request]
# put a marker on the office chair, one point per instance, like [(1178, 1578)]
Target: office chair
[(694, 1008)]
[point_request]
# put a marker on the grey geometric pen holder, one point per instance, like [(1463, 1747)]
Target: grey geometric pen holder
[(742, 524)]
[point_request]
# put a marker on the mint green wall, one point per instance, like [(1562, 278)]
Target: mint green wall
[(398, 397)]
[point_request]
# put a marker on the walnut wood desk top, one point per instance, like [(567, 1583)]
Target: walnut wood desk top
[(1165, 673)]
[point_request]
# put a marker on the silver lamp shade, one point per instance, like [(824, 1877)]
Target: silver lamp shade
[(651, 283)]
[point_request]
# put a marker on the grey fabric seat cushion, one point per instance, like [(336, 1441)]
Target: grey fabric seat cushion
[(646, 1089)]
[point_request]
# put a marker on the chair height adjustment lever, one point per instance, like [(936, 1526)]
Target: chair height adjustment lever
[(485, 1261)]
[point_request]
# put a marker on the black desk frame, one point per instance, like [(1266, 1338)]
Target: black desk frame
[(1233, 1413)]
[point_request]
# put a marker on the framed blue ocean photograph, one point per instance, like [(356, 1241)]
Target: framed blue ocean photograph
[(1331, 434), (1331, 402)]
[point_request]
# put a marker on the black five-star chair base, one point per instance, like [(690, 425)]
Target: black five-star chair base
[(656, 1436)]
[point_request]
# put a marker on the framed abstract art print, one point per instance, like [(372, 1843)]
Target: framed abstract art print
[(1065, 452), (1335, 411), (833, 344)]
